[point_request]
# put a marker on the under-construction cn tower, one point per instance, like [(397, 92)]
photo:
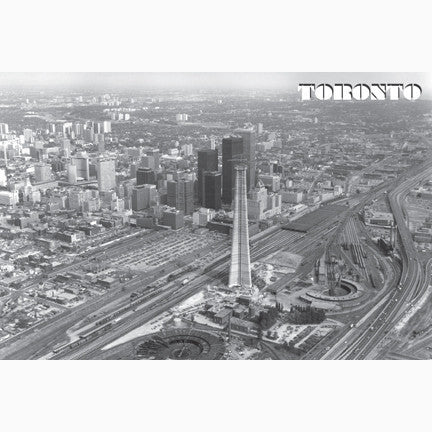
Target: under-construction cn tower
[(240, 272)]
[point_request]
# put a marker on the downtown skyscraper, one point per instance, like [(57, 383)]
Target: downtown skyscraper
[(106, 174), (232, 148), (145, 176), (249, 150), (180, 195), (241, 146), (207, 161), (212, 190)]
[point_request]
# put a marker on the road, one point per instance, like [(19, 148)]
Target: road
[(43, 335), (364, 341), (302, 244), (41, 340), (278, 240)]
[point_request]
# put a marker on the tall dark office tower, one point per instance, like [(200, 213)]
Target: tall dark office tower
[(249, 149), (207, 161), (188, 196), (172, 193), (180, 195), (212, 190), (138, 198), (145, 176), (232, 148)]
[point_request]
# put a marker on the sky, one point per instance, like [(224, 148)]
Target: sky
[(204, 80)]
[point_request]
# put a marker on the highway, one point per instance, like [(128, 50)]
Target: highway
[(302, 244), (364, 341), (37, 342)]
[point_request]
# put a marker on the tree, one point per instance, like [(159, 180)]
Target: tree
[(260, 332)]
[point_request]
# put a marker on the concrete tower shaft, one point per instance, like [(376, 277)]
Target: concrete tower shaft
[(240, 270)]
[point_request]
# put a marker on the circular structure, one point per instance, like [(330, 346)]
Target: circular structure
[(348, 290), (341, 291), (180, 344), (174, 344)]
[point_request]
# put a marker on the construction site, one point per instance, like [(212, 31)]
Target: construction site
[(281, 305)]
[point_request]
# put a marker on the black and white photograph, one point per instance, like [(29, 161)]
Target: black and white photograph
[(237, 194), (216, 216)]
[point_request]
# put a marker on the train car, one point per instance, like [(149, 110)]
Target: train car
[(95, 332), (354, 254), (63, 347), (136, 300), (360, 256), (59, 347)]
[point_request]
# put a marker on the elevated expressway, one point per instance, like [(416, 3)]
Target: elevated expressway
[(302, 244), (364, 341)]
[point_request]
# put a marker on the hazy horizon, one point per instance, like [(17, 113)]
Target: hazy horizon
[(287, 81)]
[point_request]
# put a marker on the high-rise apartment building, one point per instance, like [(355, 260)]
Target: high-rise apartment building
[(106, 174), (72, 173), (4, 129), (83, 166), (155, 154), (107, 126), (28, 135), (98, 127), (78, 129), (42, 172)]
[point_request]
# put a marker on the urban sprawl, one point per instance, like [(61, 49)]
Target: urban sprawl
[(213, 225)]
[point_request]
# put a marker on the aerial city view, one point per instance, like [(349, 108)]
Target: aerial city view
[(213, 223)]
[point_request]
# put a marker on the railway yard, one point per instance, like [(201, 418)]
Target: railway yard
[(125, 310), (328, 263)]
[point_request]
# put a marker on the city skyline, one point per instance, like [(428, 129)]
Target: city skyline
[(125, 233), (212, 224)]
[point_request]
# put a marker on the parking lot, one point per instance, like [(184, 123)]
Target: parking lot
[(173, 246)]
